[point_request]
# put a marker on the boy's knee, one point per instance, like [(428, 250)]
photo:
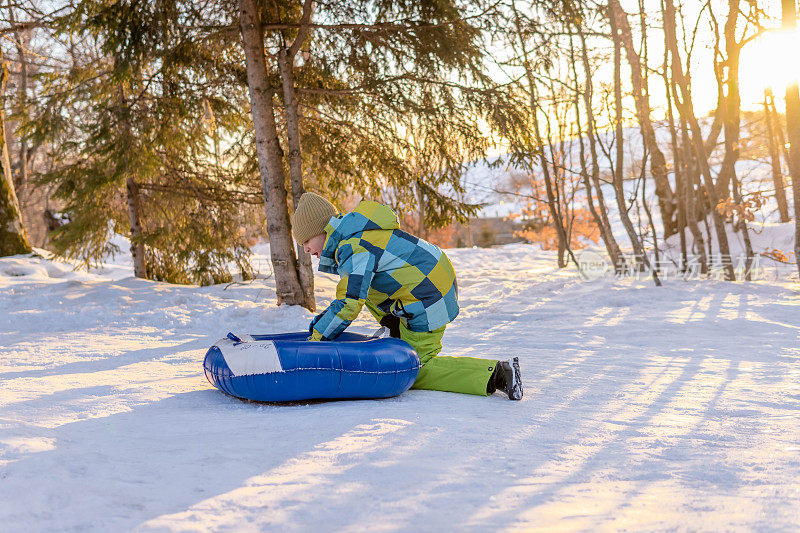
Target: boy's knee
[(427, 344)]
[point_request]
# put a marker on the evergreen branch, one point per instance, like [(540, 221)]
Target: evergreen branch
[(365, 88), (391, 26), (206, 193)]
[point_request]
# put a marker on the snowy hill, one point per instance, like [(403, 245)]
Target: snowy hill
[(644, 409)]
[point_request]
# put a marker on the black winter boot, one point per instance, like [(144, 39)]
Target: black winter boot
[(507, 378)]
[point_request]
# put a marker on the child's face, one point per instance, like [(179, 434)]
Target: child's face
[(314, 245)]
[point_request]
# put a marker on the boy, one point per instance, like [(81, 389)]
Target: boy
[(408, 285)]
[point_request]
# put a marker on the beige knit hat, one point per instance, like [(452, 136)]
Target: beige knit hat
[(311, 216)]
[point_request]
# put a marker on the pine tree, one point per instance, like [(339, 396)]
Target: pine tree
[(130, 124), (384, 98)]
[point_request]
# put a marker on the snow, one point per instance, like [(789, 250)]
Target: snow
[(645, 408)]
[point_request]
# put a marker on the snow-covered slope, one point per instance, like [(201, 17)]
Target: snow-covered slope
[(644, 409)]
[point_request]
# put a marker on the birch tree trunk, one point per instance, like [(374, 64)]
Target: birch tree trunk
[(582, 154), (685, 172), (270, 158), (793, 129), (13, 237), (551, 179)]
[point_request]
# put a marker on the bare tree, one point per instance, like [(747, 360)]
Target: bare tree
[(793, 129), (541, 145), (601, 214), (618, 167), (775, 156), (686, 109), (731, 125), (658, 163), (684, 176)]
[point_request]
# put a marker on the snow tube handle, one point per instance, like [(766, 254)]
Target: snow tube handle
[(239, 339)]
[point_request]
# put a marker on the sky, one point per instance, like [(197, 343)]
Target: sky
[(763, 60)]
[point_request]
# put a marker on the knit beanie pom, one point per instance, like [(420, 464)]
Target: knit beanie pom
[(311, 216)]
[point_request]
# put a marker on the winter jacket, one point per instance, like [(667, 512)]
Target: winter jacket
[(396, 272)]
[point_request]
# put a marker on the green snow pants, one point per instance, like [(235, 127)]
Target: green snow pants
[(467, 375)]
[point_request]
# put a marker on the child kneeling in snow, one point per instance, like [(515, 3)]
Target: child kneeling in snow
[(408, 285)]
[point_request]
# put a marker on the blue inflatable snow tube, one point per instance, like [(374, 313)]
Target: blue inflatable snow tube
[(287, 367)]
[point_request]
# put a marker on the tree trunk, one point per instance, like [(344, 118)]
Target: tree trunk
[(694, 204), (782, 144), (563, 245), (617, 171), (552, 180), (686, 109), (422, 228), (133, 198), (684, 170), (270, 158), (775, 158), (22, 94), (658, 163), (132, 195), (539, 147), (731, 102), (286, 65), (693, 207), (793, 129), (731, 126), (677, 166), (13, 237), (612, 247)]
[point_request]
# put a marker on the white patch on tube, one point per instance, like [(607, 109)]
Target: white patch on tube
[(248, 358)]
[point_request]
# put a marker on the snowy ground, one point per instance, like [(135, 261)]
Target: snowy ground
[(644, 409)]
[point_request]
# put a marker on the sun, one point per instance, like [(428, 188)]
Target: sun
[(770, 61)]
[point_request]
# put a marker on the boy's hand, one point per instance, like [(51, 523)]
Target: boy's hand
[(314, 335)]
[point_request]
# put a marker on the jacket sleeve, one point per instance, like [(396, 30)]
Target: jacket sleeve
[(356, 267)]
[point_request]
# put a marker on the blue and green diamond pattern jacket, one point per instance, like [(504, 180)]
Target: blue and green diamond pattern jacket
[(394, 271)]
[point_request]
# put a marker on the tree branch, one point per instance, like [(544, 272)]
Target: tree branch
[(305, 27)]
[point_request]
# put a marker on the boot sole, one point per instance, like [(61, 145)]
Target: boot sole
[(515, 391)]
